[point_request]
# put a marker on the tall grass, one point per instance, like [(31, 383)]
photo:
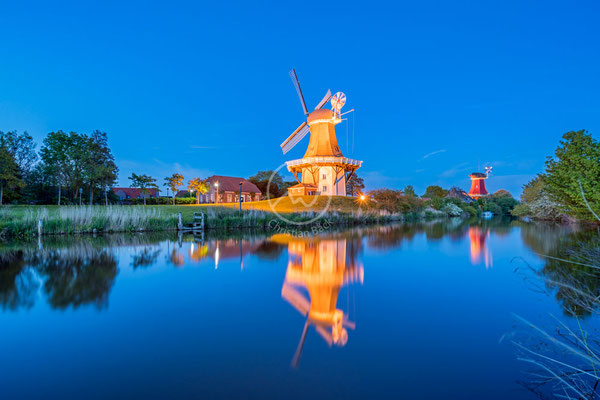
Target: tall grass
[(82, 219), (23, 221)]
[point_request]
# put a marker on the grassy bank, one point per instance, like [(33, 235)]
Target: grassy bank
[(23, 220)]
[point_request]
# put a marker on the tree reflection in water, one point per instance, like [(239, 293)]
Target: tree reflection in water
[(571, 265), (145, 258), (566, 357), (18, 283), (71, 272), (77, 276)]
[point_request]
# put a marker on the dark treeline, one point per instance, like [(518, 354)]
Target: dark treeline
[(65, 167)]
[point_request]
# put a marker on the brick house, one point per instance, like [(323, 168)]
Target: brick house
[(229, 190)]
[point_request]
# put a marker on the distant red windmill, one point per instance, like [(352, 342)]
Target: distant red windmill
[(478, 183)]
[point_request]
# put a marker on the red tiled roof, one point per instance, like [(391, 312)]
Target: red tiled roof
[(232, 184), (134, 193)]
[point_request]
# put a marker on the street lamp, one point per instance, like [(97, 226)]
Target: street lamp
[(80, 192), (241, 197)]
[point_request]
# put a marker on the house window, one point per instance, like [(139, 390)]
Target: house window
[(324, 188), (229, 198)]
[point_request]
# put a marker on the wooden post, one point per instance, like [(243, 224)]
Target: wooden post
[(202, 223), (241, 197), (40, 247), (180, 222)]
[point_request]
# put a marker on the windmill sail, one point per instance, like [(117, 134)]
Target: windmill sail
[(298, 90), (295, 137), (324, 101)]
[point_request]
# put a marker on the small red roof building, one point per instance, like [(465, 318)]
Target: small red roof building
[(228, 189)]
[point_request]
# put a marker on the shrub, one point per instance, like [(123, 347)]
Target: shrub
[(472, 211), (437, 203), (452, 210)]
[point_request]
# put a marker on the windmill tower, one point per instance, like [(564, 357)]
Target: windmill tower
[(478, 183), (323, 170)]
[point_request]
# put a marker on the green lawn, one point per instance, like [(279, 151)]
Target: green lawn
[(286, 204)]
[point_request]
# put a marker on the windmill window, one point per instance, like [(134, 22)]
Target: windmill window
[(324, 176), (324, 188)]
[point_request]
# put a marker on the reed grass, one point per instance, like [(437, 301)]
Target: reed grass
[(23, 220), (83, 219)]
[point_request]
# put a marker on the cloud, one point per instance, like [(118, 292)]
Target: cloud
[(434, 153)]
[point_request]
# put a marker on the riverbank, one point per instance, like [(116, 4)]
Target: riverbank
[(26, 220)]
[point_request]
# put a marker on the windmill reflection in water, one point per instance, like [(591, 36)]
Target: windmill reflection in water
[(320, 267), (479, 248)]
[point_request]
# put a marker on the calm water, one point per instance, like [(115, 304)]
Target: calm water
[(412, 311)]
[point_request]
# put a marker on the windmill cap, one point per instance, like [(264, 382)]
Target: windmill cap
[(323, 113), (478, 175)]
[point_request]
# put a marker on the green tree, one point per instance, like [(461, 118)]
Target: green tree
[(575, 168), (99, 168), (144, 183), (533, 189), (355, 185), (63, 156), (200, 186), (276, 188), (387, 199), (173, 182), (435, 191), (22, 148), (9, 172), (504, 200), (55, 158), (410, 191)]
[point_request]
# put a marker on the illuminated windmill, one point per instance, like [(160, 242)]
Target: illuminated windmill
[(478, 183), (323, 169)]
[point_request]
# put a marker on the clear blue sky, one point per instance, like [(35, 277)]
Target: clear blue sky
[(439, 87)]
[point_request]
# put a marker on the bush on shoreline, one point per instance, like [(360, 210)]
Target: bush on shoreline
[(569, 189)]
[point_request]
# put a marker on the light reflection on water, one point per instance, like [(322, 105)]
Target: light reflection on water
[(386, 296)]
